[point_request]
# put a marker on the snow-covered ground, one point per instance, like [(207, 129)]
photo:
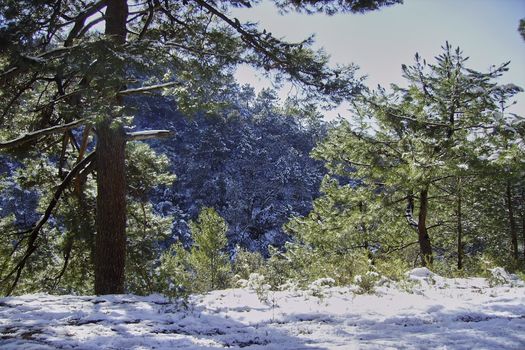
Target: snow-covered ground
[(428, 312)]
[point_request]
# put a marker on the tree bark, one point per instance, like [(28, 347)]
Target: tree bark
[(424, 240), (116, 17), (110, 242), (512, 223), (523, 218), (459, 215)]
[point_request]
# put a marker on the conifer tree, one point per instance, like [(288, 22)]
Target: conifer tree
[(410, 152), (209, 258)]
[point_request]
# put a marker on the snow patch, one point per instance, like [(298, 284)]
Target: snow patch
[(437, 312)]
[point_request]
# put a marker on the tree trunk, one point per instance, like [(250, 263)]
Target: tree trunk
[(116, 17), (364, 231), (523, 218), (424, 240), (512, 222), (460, 225), (110, 242)]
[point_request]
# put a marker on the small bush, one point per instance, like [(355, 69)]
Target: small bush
[(366, 283), (174, 273), (246, 263)]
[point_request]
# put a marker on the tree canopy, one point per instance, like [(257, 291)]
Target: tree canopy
[(67, 67), (441, 158)]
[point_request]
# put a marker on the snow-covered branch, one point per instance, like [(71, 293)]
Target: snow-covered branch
[(147, 88), (148, 134)]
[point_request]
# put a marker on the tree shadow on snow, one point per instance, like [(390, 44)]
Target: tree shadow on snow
[(455, 330), (129, 322)]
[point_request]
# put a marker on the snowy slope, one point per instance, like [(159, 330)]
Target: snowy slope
[(428, 312)]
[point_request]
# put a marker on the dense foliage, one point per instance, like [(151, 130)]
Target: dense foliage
[(60, 74), (251, 163), (438, 164), (431, 173)]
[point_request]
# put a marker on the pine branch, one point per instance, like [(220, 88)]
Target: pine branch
[(31, 246)]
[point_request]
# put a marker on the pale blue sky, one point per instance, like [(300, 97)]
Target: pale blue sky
[(379, 42)]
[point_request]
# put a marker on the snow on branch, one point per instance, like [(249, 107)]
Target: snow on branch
[(39, 59), (147, 88), (148, 134)]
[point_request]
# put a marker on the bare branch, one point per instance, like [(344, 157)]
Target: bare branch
[(148, 134), (401, 247), (81, 19), (33, 136), (146, 89), (148, 21)]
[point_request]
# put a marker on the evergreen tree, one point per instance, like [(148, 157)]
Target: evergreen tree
[(413, 151), (251, 162), (209, 258)]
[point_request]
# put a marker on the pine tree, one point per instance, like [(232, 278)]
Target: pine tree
[(209, 258), (410, 152)]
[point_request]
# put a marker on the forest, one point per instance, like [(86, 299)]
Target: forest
[(133, 162)]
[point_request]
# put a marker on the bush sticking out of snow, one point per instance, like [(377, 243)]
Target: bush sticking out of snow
[(256, 282), (366, 283), (499, 276), (319, 287)]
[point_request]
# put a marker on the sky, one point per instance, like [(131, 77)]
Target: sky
[(380, 42)]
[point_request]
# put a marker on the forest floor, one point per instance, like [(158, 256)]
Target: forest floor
[(425, 312)]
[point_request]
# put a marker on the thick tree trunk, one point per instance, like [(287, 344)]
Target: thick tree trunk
[(459, 215), (424, 240), (116, 17), (523, 218), (512, 223), (110, 242)]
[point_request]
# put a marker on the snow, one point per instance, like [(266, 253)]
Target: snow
[(426, 311)]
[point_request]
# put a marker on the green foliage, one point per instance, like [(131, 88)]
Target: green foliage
[(246, 263), (146, 170), (333, 7), (429, 138), (60, 72), (147, 233), (205, 267), (208, 257), (393, 268), (432, 160), (303, 264), (173, 275), (366, 283), (64, 262)]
